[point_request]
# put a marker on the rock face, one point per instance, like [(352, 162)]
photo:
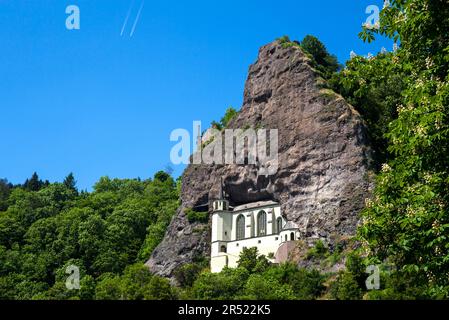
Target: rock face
[(324, 156)]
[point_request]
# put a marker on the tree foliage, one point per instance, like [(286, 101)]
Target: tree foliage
[(46, 227), (256, 279), (407, 221), (374, 87), (325, 62), (230, 114)]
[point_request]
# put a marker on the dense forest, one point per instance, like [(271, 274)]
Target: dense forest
[(403, 97), (45, 227)]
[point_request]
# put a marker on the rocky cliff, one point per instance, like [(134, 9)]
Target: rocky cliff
[(321, 182)]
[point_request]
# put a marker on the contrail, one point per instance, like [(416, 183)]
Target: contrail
[(127, 17), (137, 19)]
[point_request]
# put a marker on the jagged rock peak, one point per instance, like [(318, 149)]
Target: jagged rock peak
[(322, 180)]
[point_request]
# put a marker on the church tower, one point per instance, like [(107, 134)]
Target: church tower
[(220, 204), (221, 231)]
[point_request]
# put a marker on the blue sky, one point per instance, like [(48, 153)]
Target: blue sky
[(96, 103)]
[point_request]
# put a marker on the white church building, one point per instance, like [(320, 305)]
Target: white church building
[(258, 224)]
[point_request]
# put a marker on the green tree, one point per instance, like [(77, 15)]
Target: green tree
[(160, 289), (87, 288), (70, 182), (356, 266), (307, 285), (135, 282), (326, 63), (259, 287), (162, 176), (345, 287), (230, 114), (224, 285), (90, 239), (374, 87), (34, 183), (103, 232), (251, 260), (188, 273), (108, 287), (406, 222), (5, 190)]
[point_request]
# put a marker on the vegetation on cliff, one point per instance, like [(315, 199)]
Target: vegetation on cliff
[(326, 64)]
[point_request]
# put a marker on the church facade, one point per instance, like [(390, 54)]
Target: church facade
[(258, 224)]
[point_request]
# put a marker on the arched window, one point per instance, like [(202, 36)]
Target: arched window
[(240, 227), (292, 236), (261, 224), (223, 249), (279, 225)]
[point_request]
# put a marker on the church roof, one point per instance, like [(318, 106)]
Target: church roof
[(255, 205), (290, 225)]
